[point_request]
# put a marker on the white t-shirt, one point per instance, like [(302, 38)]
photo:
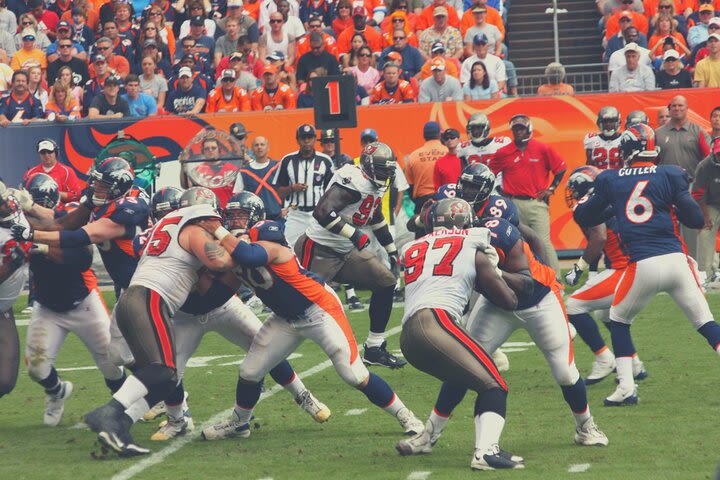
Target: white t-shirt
[(617, 59)]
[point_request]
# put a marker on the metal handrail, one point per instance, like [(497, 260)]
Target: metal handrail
[(585, 78)]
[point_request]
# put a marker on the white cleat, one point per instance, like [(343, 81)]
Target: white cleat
[(55, 405), (409, 422), (314, 407), (621, 397), (158, 410), (639, 372), (590, 435), (603, 366), (419, 444), (496, 459), (170, 429), (501, 360), (229, 428)]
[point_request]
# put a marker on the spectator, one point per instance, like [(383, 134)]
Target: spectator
[(69, 185), (71, 81), (8, 20), (162, 61), (62, 106), (188, 97), (5, 78), (116, 64), (286, 73), (126, 29), (555, 78), (365, 74), (480, 86), (438, 51), (440, 87), (120, 47), (7, 45), (714, 122), (629, 34), (94, 86), (196, 9), (109, 104), (632, 77), (426, 18), (673, 75), (317, 57), (149, 35), (612, 26), (227, 44), (699, 33), (420, 165), (35, 84), (155, 15), (525, 165), (374, 40), (674, 8), (291, 23), (492, 16), (328, 146), (314, 24), (272, 94), (251, 8), (20, 106), (46, 19), (448, 168), (440, 31), (412, 59), (617, 59), (140, 104), (706, 189), (391, 89), (238, 131), (214, 173), (683, 143), (151, 83), (276, 38), (187, 49), (323, 11), (199, 78), (228, 97), (258, 178), (494, 65), (245, 79), (663, 116), (269, 6), (64, 33), (305, 97), (106, 12), (204, 44), (343, 19), (65, 58), (666, 33), (82, 32), (482, 27), (398, 21), (59, 7), (28, 54), (26, 21), (707, 70), (350, 59)]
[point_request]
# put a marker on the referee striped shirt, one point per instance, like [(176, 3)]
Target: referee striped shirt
[(314, 172)]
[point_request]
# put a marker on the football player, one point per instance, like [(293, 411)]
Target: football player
[(176, 250), (480, 147), (647, 201), (597, 293), (303, 307), (636, 116), (67, 300), (441, 269), (601, 148), (337, 243)]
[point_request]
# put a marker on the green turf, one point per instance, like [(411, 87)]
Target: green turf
[(672, 434)]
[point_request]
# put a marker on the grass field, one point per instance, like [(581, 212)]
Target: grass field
[(671, 434)]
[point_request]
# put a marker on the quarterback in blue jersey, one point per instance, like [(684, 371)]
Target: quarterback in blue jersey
[(647, 201)]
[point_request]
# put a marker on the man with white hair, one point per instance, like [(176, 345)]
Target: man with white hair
[(633, 76)]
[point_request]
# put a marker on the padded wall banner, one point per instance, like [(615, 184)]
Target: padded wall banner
[(560, 121)]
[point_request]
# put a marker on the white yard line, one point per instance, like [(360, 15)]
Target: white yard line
[(579, 468), (418, 475), (160, 456), (355, 411)]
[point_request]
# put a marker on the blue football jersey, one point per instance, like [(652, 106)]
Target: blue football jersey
[(646, 201), (500, 207)]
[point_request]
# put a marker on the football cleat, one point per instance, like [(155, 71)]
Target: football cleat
[(409, 422), (354, 303), (55, 405), (602, 366), (170, 429), (421, 443), (502, 362), (315, 408), (113, 428), (590, 435), (229, 428), (639, 372), (158, 410), (621, 397), (496, 459), (380, 356)]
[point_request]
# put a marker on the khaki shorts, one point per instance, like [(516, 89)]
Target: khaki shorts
[(362, 269)]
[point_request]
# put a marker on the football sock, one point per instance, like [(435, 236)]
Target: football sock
[(449, 397), (438, 421), (349, 292), (243, 414), (247, 396), (137, 410), (576, 398), (51, 383), (374, 339), (621, 339), (379, 392), (488, 428), (114, 385), (588, 331), (131, 391), (381, 303), (284, 375), (711, 332), (625, 372), (174, 411)]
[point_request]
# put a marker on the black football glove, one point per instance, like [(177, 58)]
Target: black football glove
[(22, 232)]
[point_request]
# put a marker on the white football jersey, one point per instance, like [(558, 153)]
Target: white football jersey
[(165, 266), (440, 270), (357, 214), (11, 288), (469, 153), (605, 153)]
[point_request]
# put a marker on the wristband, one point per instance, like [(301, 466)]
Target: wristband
[(582, 264), (220, 233), (390, 248)]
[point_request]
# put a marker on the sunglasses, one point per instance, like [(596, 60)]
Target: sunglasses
[(150, 28), (315, 25), (399, 38), (27, 23), (68, 45), (276, 21), (664, 7), (156, 14), (398, 20), (364, 55), (195, 8), (228, 80)]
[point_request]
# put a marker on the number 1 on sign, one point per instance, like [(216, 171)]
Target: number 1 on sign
[(333, 89)]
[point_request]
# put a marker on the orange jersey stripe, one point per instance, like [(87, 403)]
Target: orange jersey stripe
[(603, 289), (626, 283), (540, 272)]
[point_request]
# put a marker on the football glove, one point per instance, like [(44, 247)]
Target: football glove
[(573, 276), (22, 196), (22, 232), (394, 263), (360, 240), (86, 198)]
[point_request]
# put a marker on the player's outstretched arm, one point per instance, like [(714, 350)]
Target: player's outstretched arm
[(688, 211), (206, 248), (489, 282), (96, 232), (241, 252)]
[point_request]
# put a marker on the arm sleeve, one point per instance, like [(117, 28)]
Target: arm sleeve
[(282, 179), (590, 212), (555, 161), (250, 254)]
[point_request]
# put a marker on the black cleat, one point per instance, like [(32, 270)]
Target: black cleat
[(496, 460), (380, 356), (113, 428), (354, 303), (106, 417)]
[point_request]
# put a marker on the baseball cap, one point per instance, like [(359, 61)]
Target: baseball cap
[(716, 36), (478, 9), (99, 58), (437, 64), (276, 55), (369, 134), (197, 20), (706, 7), (150, 43), (671, 54), (714, 21), (625, 14), (186, 57), (184, 72), (437, 47), (440, 11), (63, 25), (359, 11), (45, 145), (480, 39), (269, 69), (234, 3), (236, 56), (395, 57), (112, 80), (327, 134), (431, 130), (238, 130), (450, 133), (77, 11), (228, 73), (305, 130), (28, 34), (631, 47)]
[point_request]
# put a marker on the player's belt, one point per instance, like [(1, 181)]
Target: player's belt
[(520, 197)]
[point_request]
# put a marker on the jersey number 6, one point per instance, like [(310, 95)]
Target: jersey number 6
[(639, 209)]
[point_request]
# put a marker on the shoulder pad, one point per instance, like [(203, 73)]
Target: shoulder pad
[(213, 93), (591, 135), (269, 231), (464, 144), (129, 211), (350, 176)]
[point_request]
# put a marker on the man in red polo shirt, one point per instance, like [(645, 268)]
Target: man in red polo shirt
[(68, 182), (525, 165), (448, 167)]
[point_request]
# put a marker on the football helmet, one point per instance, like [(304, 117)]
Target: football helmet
[(478, 127), (43, 189), (580, 183), (243, 210), (608, 121), (638, 142), (199, 196), (164, 201), (475, 184), (10, 211), (450, 213), (110, 180), (378, 163), (636, 116)]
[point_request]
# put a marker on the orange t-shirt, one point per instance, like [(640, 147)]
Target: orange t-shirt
[(118, 65), (425, 19), (252, 10), (22, 56), (403, 93), (372, 36), (217, 103), (420, 167), (655, 42), (92, 21), (650, 7), (613, 24), (559, 89), (492, 16), (302, 46), (283, 96)]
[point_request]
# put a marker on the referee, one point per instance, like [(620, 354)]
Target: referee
[(301, 181)]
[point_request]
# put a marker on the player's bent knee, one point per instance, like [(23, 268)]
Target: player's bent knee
[(38, 368), (251, 373), (565, 375), (575, 307)]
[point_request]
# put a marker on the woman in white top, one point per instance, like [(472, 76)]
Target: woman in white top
[(480, 86), (197, 8), (35, 85), (152, 83), (277, 39), (366, 75)]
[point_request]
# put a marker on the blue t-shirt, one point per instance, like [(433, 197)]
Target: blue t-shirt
[(182, 102), (480, 93), (52, 48), (142, 106)]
